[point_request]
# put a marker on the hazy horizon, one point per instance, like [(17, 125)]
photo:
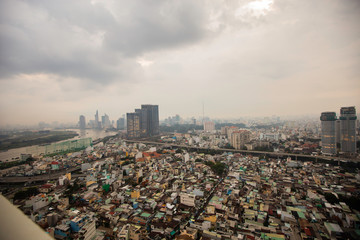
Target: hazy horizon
[(243, 58)]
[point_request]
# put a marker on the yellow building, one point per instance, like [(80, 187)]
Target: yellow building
[(135, 194)]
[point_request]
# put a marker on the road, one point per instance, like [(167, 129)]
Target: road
[(275, 154), (195, 215), (44, 177)]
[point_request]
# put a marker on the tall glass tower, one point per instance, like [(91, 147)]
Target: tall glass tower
[(143, 122), (149, 120), (348, 129), (328, 139)]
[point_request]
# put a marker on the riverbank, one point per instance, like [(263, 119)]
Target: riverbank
[(30, 138)]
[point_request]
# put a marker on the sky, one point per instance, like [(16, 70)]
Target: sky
[(62, 59)]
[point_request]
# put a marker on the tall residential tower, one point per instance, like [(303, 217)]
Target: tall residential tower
[(348, 129), (133, 125), (149, 120), (143, 122), (328, 138)]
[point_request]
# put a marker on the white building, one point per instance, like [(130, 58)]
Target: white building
[(187, 199), (88, 231), (269, 136)]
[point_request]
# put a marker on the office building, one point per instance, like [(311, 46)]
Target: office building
[(143, 122), (97, 122), (133, 124), (337, 131), (82, 122), (105, 121), (120, 124), (328, 136), (348, 129), (239, 138), (149, 120)]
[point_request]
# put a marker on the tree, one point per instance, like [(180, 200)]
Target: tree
[(27, 193), (331, 198), (218, 168)]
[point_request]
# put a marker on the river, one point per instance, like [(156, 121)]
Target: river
[(12, 154)]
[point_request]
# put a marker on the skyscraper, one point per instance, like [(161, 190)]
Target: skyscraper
[(97, 122), (328, 138), (149, 120), (143, 122), (133, 124), (120, 124), (105, 121), (337, 131), (348, 129), (82, 122)]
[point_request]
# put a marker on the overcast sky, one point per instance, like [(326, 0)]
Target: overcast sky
[(60, 59)]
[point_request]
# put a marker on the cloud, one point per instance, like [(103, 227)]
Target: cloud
[(239, 57), (87, 40)]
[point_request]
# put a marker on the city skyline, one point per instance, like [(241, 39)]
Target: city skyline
[(239, 59)]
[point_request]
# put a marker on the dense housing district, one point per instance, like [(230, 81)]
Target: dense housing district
[(142, 191)]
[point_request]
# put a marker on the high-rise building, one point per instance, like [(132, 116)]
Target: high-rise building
[(239, 138), (149, 120), (105, 121), (209, 126), (82, 122), (97, 122), (143, 122), (328, 136), (337, 131), (133, 124), (120, 124), (348, 129)]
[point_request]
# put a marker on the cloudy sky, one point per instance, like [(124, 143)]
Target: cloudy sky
[(60, 59)]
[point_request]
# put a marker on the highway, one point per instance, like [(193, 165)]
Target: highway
[(294, 156), (43, 177), (272, 154)]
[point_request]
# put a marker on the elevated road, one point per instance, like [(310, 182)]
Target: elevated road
[(43, 177), (57, 174), (271, 154)]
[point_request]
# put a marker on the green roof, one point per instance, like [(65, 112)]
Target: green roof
[(146, 215)]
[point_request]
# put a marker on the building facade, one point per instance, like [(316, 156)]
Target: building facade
[(82, 122), (209, 126), (133, 125), (149, 120), (187, 199), (143, 122), (120, 124), (239, 138), (328, 133), (337, 131), (348, 129), (97, 122), (105, 121)]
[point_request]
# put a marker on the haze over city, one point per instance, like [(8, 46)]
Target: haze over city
[(239, 58)]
